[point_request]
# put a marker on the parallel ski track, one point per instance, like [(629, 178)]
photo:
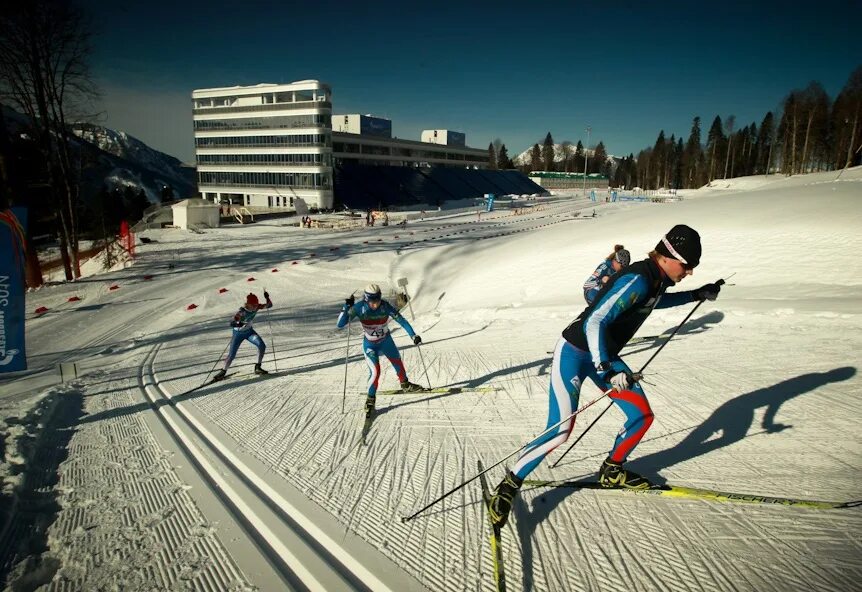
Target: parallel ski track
[(331, 561)]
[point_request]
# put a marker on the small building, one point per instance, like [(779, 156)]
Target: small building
[(366, 125), (195, 212), (445, 137)]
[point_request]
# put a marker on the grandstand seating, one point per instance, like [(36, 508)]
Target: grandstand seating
[(373, 186)]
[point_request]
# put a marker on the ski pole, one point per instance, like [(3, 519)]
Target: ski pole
[(584, 433), (505, 458), (272, 339), (638, 374), (346, 356), (678, 327), (419, 349), (206, 378)]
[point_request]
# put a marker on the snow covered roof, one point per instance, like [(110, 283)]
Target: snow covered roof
[(194, 202)]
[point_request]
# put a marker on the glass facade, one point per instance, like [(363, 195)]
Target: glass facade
[(296, 140), (278, 122), (264, 159), (266, 180)]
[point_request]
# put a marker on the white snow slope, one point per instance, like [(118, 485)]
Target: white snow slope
[(758, 393)]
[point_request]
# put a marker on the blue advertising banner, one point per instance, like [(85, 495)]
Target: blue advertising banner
[(12, 353)]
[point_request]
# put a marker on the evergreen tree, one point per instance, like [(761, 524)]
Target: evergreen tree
[(536, 158), (714, 145), (492, 156), (692, 156), (763, 151), (578, 158), (656, 170), (548, 152), (503, 161), (600, 160)]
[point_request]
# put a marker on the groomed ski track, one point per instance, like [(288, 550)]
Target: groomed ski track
[(287, 433)]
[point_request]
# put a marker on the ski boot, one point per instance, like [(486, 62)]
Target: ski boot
[(369, 407), (612, 474), (259, 370), (409, 387), (501, 500), (219, 375)]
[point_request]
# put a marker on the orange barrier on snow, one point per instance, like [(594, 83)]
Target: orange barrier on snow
[(73, 299), (41, 310), (222, 290), (251, 279), (191, 306), (114, 287)]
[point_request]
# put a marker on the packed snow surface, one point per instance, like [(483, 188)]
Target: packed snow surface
[(758, 393)]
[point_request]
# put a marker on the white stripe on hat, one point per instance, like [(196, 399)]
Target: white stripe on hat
[(672, 251)]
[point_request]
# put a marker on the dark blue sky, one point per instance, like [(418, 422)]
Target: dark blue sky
[(504, 70)]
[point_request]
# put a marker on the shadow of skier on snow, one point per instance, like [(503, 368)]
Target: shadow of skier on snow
[(732, 419), (692, 327)]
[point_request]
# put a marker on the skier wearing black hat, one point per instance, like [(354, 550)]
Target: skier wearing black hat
[(613, 263), (589, 348), (244, 331)]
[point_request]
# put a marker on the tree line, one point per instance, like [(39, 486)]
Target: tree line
[(811, 133), (573, 158)]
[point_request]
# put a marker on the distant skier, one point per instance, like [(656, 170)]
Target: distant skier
[(589, 348), (244, 331), (373, 313), (613, 263)]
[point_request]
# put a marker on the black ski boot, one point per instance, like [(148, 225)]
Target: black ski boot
[(501, 500), (259, 370), (612, 474), (219, 375), (409, 387), (369, 407)]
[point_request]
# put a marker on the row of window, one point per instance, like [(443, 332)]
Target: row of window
[(297, 140), (303, 180), (258, 159), (285, 121), (350, 148)]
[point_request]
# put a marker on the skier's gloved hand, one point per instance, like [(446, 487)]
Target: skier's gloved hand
[(266, 295), (708, 291), (349, 301), (616, 374), (621, 381), (417, 340)]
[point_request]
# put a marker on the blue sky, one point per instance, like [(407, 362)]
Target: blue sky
[(504, 70)]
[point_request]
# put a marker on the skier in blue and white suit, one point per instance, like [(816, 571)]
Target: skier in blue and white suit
[(612, 264), (589, 348), (243, 330), (373, 313)]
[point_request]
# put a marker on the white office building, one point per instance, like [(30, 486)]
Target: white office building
[(265, 146)]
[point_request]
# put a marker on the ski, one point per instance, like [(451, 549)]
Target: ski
[(366, 427), (702, 494), (441, 390), (496, 542)]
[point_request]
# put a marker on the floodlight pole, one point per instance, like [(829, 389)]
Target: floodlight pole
[(586, 159)]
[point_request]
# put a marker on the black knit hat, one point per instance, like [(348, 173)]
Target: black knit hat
[(681, 243)]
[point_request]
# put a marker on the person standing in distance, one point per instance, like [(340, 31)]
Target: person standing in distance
[(589, 348), (612, 264), (244, 331), (374, 313)]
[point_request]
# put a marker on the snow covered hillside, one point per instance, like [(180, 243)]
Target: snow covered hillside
[(138, 480)]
